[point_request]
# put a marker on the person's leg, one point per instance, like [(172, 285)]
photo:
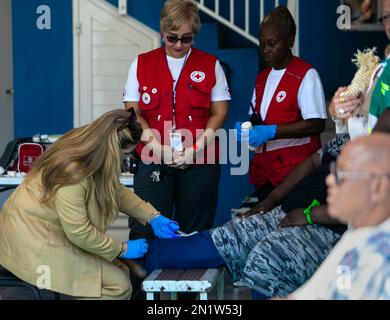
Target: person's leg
[(159, 194), (286, 259), (196, 194), (236, 238), (115, 282), (193, 252)]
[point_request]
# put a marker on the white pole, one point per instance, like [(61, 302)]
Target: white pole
[(232, 11), (122, 7), (276, 3), (293, 6), (247, 16), (261, 11), (217, 7)]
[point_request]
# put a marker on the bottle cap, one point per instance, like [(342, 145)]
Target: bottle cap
[(246, 125)]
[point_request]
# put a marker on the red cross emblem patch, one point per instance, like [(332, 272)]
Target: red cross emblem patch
[(281, 96), (198, 76)]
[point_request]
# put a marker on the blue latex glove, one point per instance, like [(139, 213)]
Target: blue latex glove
[(135, 249), (261, 134), (164, 228)]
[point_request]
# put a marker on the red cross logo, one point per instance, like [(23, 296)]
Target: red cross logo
[(198, 76), (281, 96)]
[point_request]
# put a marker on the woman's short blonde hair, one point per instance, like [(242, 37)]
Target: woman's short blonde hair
[(177, 12)]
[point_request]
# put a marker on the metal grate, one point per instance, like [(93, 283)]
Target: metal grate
[(181, 275)]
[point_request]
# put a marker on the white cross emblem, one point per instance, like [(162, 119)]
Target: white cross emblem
[(146, 98), (198, 76), (281, 96)]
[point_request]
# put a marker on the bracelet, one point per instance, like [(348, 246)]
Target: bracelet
[(307, 211), (154, 215)]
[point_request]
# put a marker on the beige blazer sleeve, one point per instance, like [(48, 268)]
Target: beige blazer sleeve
[(133, 205), (71, 206)]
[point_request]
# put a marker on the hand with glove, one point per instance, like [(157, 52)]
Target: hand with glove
[(164, 228), (133, 249), (258, 135), (261, 134)]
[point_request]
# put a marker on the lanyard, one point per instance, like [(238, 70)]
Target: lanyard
[(174, 89)]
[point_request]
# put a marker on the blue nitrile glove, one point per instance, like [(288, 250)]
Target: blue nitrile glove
[(164, 228), (135, 249), (261, 134)]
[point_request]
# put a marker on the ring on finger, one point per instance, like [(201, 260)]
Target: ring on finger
[(341, 111)]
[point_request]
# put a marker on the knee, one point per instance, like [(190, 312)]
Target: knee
[(124, 290)]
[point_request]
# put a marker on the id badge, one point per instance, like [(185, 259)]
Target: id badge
[(176, 143)]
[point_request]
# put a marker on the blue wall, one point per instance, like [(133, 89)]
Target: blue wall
[(329, 49), (43, 68)]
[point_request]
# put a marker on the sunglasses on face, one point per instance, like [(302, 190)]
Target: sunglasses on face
[(176, 39)]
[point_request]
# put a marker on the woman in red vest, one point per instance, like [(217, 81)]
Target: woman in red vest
[(288, 106), (176, 91)]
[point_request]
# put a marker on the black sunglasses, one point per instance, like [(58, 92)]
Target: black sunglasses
[(176, 39), (132, 117)]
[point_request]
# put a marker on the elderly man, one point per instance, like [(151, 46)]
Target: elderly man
[(358, 193)]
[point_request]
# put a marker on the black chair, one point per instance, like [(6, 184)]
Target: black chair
[(7, 279)]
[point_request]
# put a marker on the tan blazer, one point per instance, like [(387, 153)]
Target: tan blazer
[(69, 238)]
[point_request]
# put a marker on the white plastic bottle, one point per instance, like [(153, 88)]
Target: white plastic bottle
[(245, 127)]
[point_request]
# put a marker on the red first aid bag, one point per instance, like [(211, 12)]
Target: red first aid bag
[(28, 153)]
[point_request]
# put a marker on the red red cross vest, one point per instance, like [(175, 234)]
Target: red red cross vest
[(193, 95), (273, 164)]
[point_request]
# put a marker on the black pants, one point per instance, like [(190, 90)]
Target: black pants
[(187, 196)]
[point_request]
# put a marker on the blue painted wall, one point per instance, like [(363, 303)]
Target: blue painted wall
[(43, 64), (329, 49)]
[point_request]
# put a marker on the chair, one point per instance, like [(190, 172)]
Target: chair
[(7, 279)]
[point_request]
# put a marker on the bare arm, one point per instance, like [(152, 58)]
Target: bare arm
[(277, 195), (319, 215), (300, 129), (301, 171)]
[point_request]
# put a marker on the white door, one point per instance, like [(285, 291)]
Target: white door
[(105, 43), (6, 80)]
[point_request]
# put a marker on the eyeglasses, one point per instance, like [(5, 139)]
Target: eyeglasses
[(132, 117), (184, 40), (382, 20), (340, 176)]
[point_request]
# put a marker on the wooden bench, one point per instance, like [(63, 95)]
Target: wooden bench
[(178, 280)]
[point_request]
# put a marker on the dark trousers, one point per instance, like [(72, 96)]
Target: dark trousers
[(186, 196), (179, 254)]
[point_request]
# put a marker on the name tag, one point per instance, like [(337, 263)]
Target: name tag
[(176, 142)]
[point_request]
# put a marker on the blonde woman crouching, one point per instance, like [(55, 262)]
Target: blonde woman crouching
[(54, 224)]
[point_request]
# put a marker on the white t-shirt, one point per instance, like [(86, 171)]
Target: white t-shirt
[(357, 268), (220, 91), (311, 97)]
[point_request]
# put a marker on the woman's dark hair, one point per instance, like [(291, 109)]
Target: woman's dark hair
[(283, 20)]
